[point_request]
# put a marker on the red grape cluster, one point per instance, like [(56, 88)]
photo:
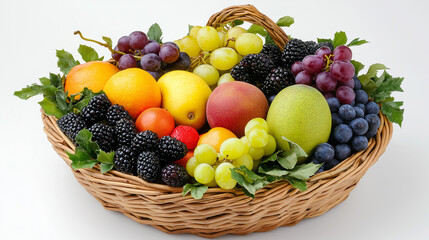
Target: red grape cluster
[(140, 51), (332, 72)]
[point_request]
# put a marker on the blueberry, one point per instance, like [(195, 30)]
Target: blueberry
[(361, 96), (347, 112), (342, 151), (359, 112), (331, 164), (372, 108), (361, 106), (313, 159), (373, 123), (359, 125), (371, 133), (271, 99), (352, 103), (333, 103), (336, 119), (343, 133), (358, 85), (324, 152), (359, 143)]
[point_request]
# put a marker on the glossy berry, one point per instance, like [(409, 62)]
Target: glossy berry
[(333, 104), (125, 131), (361, 96), (359, 112), (359, 125), (144, 141), (336, 119), (342, 151), (357, 84), (347, 112), (148, 167), (103, 135), (125, 160), (374, 123), (343, 133), (170, 149), (324, 152), (174, 175), (96, 109), (331, 164), (359, 143), (372, 108), (115, 113), (70, 124)]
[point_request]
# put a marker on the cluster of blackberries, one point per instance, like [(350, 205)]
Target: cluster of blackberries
[(352, 126), (143, 154)]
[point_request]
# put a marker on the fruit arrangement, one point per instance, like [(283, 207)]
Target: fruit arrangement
[(224, 107)]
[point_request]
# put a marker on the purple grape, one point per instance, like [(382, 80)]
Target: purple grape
[(152, 47), (124, 44), (323, 51), (313, 64), (304, 78), (138, 40), (345, 95), (174, 44), (155, 75), (342, 71), (182, 63), (296, 68), (325, 82), (150, 62), (127, 61), (342, 53), (168, 53), (116, 56), (349, 83), (328, 95)]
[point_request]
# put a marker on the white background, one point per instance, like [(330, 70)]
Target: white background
[(40, 198)]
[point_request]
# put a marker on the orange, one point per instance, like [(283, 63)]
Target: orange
[(92, 75), (215, 137), (157, 120), (135, 89)]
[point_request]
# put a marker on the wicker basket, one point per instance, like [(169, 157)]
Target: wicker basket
[(224, 211)]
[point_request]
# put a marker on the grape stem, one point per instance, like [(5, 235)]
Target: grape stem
[(328, 60)]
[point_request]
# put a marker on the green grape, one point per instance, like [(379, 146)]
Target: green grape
[(256, 153), (223, 58), (232, 35), (232, 148), (221, 38), (270, 148), (205, 153), (258, 138), (255, 123), (194, 31), (245, 160), (246, 144), (208, 73), (226, 77), (207, 38), (248, 43), (204, 173), (190, 46), (239, 57), (191, 165), (213, 183), (223, 176)]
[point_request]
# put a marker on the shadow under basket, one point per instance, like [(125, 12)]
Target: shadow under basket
[(221, 211)]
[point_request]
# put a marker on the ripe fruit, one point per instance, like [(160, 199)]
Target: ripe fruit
[(194, 31), (233, 104), (174, 175), (207, 38), (157, 120), (170, 149), (226, 77), (223, 176), (205, 153), (191, 164), (185, 95), (248, 43), (215, 137), (92, 75), (223, 58), (245, 160), (204, 173), (186, 134), (258, 138), (301, 114), (232, 35), (208, 73), (232, 148), (190, 46), (135, 89)]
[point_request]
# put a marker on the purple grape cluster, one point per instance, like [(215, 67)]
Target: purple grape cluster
[(149, 55), (331, 72)]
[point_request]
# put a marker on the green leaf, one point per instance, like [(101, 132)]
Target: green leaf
[(155, 33), (340, 38), (104, 157), (189, 29), (83, 138), (66, 61), (357, 42), (367, 84), (108, 41), (304, 171), (269, 40), (85, 95), (257, 29), (387, 85), (45, 81), (297, 183), (285, 21), (249, 180), (62, 103), (29, 91), (272, 157), (289, 160), (393, 111), (372, 70), (273, 172), (319, 40), (105, 167), (358, 66), (197, 190), (89, 54), (50, 108), (81, 159), (237, 22), (83, 164), (55, 80)]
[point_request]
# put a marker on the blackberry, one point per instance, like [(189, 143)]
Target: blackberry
[(325, 44), (259, 64), (125, 160), (148, 167), (242, 73), (311, 46), (70, 124), (174, 175), (115, 113), (294, 51), (125, 131), (273, 52), (96, 109), (103, 135), (171, 149), (277, 80), (144, 141)]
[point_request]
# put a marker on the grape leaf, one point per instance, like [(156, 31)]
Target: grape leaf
[(257, 29), (189, 29), (340, 38), (358, 66), (88, 54), (386, 85), (393, 111), (285, 21), (45, 81), (55, 80), (83, 139), (108, 41), (66, 61), (197, 190), (296, 183), (155, 33), (105, 167), (357, 42), (62, 102), (319, 40), (104, 157), (367, 84), (50, 108), (304, 171), (373, 69)]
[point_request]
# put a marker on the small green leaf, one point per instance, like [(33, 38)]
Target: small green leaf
[(66, 61), (186, 189), (289, 160), (295, 148), (51, 108), (393, 111), (62, 103), (104, 157), (372, 70), (297, 183), (340, 38), (269, 40), (83, 164), (272, 157), (108, 41), (285, 21), (197, 190), (79, 155), (357, 42), (367, 84), (387, 85), (304, 171), (358, 66), (237, 22), (55, 80), (155, 33), (257, 29), (45, 81), (83, 138), (29, 91), (273, 172), (189, 29), (105, 167), (89, 54), (319, 40)]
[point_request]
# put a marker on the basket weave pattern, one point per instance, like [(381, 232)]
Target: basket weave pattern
[(224, 211)]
